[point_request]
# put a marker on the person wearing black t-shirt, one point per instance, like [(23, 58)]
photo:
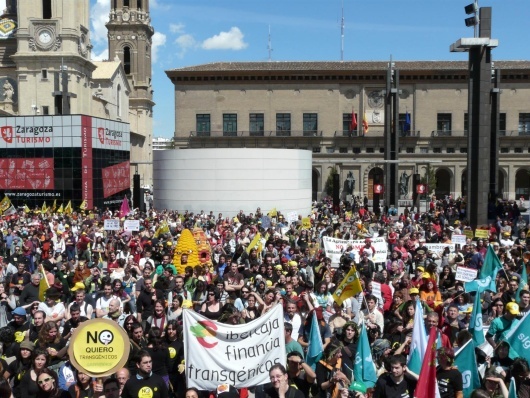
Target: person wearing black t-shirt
[(397, 383), (448, 377), (149, 383), (280, 384), (74, 321), (300, 373)]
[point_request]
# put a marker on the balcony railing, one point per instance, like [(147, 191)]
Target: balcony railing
[(236, 134), (442, 133), (347, 133)]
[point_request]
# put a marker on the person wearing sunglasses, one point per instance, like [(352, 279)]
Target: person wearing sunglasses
[(48, 384)]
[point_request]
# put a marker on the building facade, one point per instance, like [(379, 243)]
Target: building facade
[(46, 67), (310, 105)]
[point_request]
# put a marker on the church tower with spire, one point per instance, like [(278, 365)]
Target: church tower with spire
[(130, 40)]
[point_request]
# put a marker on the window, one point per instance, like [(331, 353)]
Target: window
[(330, 149), (505, 150), (381, 150), (346, 124), (45, 110), (424, 150), (316, 149), (502, 123), (450, 150), (369, 150), (139, 4), (524, 123), (437, 150), (356, 149), (310, 124), (126, 3), (466, 122), (44, 74), (256, 124), (118, 100), (46, 9), (463, 149), (283, 124), (443, 123), (409, 149), (518, 150), (405, 123), (229, 124), (203, 124), (127, 60), (343, 149)]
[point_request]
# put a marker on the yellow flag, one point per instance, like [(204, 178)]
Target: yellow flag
[(255, 242), (163, 228), (236, 220), (44, 208), (43, 285), (273, 212), (349, 287), (306, 223), (60, 209), (68, 208), (54, 205), (83, 205), (26, 209), (5, 204)]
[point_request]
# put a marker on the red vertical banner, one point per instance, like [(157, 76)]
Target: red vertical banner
[(86, 162)]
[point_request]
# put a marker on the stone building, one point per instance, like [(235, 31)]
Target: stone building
[(41, 38), (310, 105)]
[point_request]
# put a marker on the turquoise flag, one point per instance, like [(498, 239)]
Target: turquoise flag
[(522, 283), (419, 341), (364, 368), (518, 336), (476, 327), (466, 362), (316, 348), (487, 275), (512, 392)]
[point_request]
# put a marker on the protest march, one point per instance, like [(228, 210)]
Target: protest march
[(339, 302)]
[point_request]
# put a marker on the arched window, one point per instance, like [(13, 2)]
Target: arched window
[(118, 100), (127, 60), (46, 9), (139, 4), (126, 3)]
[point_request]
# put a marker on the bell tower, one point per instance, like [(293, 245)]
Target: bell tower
[(130, 40), (53, 37)]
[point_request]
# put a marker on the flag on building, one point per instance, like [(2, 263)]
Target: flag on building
[(406, 125), (68, 208), (353, 121), (466, 362), (427, 386), (349, 287), (83, 205), (476, 327), (364, 368), (365, 123), (418, 345), (316, 348)]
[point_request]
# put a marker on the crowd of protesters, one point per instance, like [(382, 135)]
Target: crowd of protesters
[(129, 277)]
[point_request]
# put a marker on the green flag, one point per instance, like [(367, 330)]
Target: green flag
[(364, 368), (466, 362)]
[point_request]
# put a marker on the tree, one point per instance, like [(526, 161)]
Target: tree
[(429, 178), (328, 187)]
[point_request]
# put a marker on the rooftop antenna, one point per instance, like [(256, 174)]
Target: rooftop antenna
[(269, 45), (342, 34)]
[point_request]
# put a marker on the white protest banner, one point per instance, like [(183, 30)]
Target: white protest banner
[(458, 239), (376, 291), (335, 247), (131, 225), (111, 224), (292, 217), (240, 355), (466, 274), (439, 247)]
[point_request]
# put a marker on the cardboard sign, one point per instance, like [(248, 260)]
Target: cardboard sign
[(111, 224), (440, 247), (335, 247), (482, 233), (458, 239), (101, 347), (469, 234), (131, 225), (292, 217), (466, 274)]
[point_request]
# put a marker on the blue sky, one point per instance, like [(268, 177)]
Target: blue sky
[(191, 32)]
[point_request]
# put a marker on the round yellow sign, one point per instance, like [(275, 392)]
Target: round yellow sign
[(99, 347)]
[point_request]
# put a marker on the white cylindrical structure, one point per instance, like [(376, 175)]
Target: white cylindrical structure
[(227, 180)]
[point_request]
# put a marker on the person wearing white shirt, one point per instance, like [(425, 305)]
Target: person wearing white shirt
[(102, 304), (55, 311), (292, 316), (372, 315)]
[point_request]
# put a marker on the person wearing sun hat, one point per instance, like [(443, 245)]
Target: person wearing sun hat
[(54, 309)]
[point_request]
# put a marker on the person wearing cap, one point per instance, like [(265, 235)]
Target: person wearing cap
[(397, 383), (53, 308), (501, 324), (19, 366)]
